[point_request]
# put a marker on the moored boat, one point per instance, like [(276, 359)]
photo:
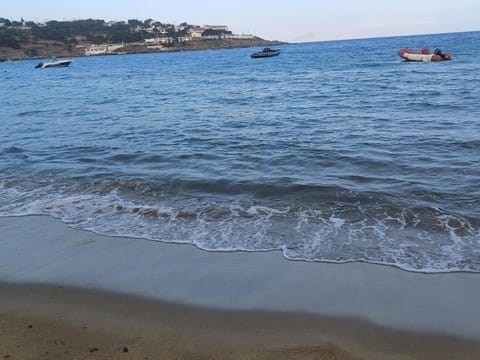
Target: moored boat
[(267, 52), (424, 55), (54, 63)]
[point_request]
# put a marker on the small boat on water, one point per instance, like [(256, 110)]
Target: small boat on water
[(267, 52), (424, 55), (54, 63)]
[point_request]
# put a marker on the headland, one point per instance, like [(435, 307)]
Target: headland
[(27, 39)]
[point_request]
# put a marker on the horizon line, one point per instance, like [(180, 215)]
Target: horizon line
[(285, 41)]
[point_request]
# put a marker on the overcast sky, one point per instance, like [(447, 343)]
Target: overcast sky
[(287, 20)]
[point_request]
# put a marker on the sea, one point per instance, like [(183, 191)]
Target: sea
[(333, 151)]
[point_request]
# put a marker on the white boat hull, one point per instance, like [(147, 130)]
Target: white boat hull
[(418, 57), (56, 63)]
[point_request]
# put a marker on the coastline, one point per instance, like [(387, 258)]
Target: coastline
[(245, 305), (61, 51)]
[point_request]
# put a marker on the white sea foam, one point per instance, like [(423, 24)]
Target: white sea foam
[(302, 234)]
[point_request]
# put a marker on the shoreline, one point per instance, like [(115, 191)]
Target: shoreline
[(7, 54), (47, 321), (66, 279)]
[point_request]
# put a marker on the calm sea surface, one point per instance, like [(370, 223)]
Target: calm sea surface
[(333, 151)]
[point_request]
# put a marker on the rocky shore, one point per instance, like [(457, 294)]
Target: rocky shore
[(44, 48)]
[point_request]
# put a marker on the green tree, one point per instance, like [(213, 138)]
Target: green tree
[(212, 32), (8, 38), (135, 22)]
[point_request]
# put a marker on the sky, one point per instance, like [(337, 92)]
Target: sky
[(286, 20)]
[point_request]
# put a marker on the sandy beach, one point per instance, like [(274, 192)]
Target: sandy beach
[(69, 294)]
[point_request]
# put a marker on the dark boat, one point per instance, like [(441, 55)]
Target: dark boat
[(55, 63), (267, 52)]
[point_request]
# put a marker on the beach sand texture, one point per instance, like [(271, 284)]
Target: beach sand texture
[(69, 294)]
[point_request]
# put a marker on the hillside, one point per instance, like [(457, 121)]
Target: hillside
[(24, 39)]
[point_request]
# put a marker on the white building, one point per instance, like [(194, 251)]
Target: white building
[(196, 32), (216, 27), (166, 40), (102, 49)]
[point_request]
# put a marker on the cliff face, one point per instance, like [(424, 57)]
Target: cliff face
[(48, 48)]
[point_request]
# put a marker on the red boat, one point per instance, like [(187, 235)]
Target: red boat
[(424, 55)]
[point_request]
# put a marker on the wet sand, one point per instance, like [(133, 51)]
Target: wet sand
[(53, 322), (72, 294)]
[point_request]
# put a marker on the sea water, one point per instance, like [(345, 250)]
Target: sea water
[(333, 151)]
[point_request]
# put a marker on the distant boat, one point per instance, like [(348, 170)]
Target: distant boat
[(424, 55), (54, 63), (267, 52)]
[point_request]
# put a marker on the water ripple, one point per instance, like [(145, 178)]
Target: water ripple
[(333, 151)]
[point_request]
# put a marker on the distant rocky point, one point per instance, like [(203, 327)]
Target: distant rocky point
[(27, 39)]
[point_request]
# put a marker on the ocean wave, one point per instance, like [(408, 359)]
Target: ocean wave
[(413, 238), (340, 161), (13, 150), (473, 144)]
